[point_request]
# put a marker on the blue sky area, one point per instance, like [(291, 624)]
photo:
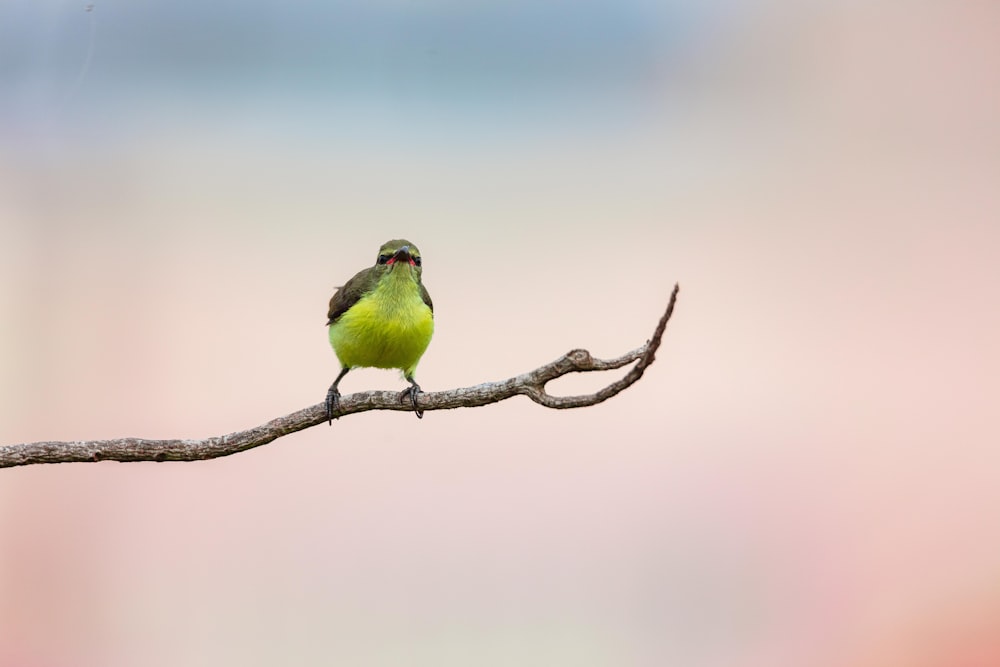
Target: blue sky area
[(380, 63)]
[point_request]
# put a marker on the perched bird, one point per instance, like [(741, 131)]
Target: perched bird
[(382, 318)]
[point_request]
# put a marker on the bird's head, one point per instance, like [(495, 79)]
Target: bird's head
[(401, 254)]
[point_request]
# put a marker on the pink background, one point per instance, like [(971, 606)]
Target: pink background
[(808, 475)]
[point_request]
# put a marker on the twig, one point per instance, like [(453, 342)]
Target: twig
[(530, 384)]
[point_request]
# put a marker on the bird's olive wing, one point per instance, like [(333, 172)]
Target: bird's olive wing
[(426, 297), (347, 296)]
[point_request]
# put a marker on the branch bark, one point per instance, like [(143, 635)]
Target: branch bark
[(530, 384)]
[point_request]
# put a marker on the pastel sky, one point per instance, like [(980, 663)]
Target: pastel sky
[(808, 474)]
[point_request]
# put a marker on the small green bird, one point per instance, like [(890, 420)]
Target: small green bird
[(382, 318)]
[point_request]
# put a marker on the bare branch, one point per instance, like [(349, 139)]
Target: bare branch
[(530, 384)]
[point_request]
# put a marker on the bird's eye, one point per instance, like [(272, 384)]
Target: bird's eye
[(382, 259), (416, 260)]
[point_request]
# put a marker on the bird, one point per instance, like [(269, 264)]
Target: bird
[(383, 317)]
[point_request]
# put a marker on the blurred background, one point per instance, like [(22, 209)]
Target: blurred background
[(808, 475)]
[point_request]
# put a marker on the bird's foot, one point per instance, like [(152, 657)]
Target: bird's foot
[(332, 405), (412, 392), (333, 397)]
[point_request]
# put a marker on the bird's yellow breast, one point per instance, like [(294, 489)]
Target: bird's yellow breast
[(389, 327)]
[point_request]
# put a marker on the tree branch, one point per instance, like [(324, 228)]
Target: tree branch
[(530, 384)]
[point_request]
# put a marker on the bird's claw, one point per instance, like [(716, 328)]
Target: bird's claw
[(332, 405), (412, 391)]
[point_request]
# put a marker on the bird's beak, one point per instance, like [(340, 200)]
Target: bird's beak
[(402, 255)]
